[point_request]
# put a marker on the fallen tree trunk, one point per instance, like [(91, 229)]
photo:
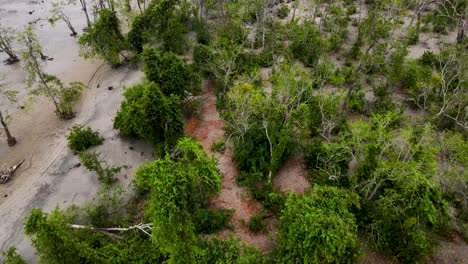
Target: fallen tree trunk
[(7, 174)]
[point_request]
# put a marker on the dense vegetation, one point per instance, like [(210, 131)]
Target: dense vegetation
[(382, 128)]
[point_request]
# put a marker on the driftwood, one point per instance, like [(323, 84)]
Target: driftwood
[(7, 173), (141, 227)]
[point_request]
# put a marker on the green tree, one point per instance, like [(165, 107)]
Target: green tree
[(169, 72), (179, 187), (104, 39), (63, 97), (319, 227), (92, 162), (148, 114)]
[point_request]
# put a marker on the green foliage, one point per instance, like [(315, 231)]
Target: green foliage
[(104, 39), (209, 221), (283, 11), (228, 251), (163, 24), (12, 257), (105, 172), (81, 138), (179, 187), (256, 223), (203, 33), (169, 72), (319, 227), (307, 44), (148, 114), (107, 207), (356, 101), (218, 146), (57, 243)]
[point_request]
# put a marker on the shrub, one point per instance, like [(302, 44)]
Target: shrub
[(148, 114), (12, 257), (283, 11), (170, 73), (319, 227), (227, 251), (81, 138), (412, 36), (106, 173), (203, 34), (307, 44), (256, 223), (210, 221), (218, 146), (356, 101)]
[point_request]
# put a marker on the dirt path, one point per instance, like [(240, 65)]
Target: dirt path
[(232, 196)]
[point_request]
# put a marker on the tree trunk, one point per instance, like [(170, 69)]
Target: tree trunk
[(139, 6), (10, 139), (5, 46), (85, 10), (72, 29)]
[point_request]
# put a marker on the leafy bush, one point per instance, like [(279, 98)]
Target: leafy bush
[(210, 221), (356, 101), (105, 172), (169, 73), (148, 114), (283, 11), (319, 227), (107, 207), (203, 34), (12, 257), (179, 187), (256, 223), (81, 138), (227, 251), (218, 146), (307, 44)]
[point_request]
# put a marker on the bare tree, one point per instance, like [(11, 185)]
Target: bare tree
[(58, 14), (6, 37), (457, 11), (84, 7)]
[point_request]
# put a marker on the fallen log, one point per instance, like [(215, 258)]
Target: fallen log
[(7, 174)]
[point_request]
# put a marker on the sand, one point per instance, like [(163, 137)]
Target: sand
[(47, 179)]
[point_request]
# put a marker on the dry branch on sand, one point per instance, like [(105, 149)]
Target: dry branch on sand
[(7, 173)]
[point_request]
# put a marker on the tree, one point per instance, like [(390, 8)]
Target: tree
[(63, 97), (263, 123), (104, 39), (58, 13), (169, 72), (456, 11), (179, 187), (148, 114), (319, 227), (10, 139), (7, 35)]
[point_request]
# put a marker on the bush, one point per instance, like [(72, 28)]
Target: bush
[(12, 257), (307, 44), (256, 223), (106, 173), (356, 101), (169, 72), (227, 251), (203, 34), (81, 138), (319, 227), (283, 11), (148, 114), (218, 146), (209, 221)]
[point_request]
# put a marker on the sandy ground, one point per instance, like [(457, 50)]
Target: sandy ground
[(48, 178)]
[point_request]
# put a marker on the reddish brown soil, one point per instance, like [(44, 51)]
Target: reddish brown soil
[(292, 177), (232, 196)]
